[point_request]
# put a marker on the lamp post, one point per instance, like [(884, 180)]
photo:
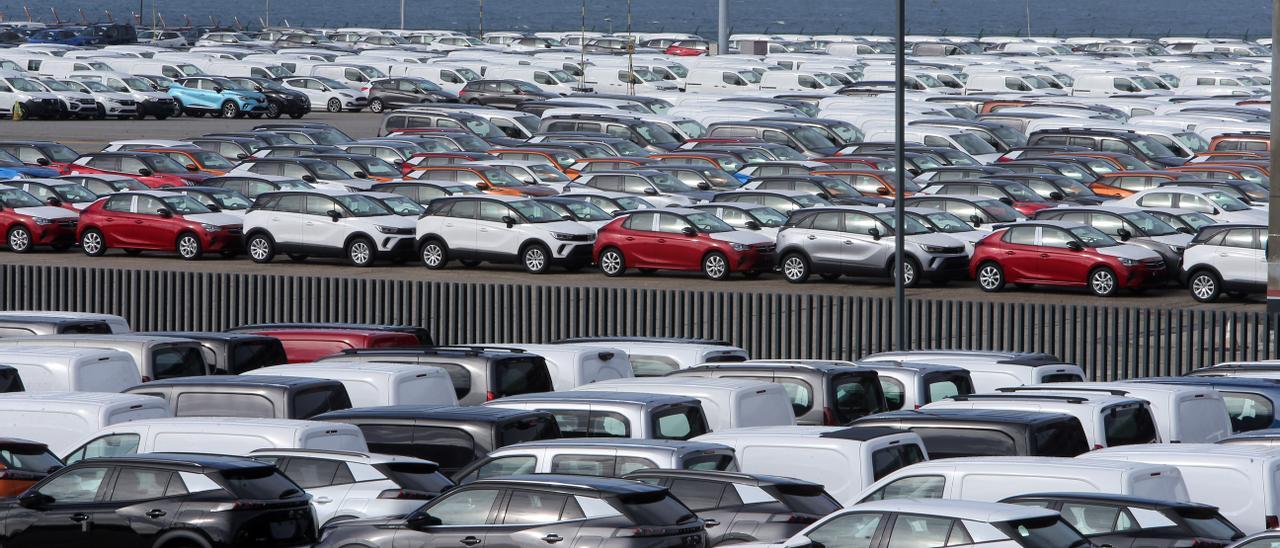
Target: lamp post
[(722, 28), (482, 18), (899, 155)]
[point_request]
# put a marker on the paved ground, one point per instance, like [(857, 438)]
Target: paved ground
[(88, 136)]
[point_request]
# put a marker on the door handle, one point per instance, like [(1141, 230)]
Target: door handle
[(630, 239), (1044, 255), (709, 523), (79, 517), (470, 541), (1008, 253), (812, 237), (157, 513), (848, 242), (138, 222), (662, 240), (275, 219), (323, 500), (552, 538)]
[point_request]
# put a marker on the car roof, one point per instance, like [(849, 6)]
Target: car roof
[(1030, 359), (959, 416), (720, 475), (960, 509), (189, 460), (621, 442), (248, 379), (620, 396), (1127, 500), (477, 413), (599, 485)]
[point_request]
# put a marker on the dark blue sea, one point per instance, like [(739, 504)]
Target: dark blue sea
[(1236, 18)]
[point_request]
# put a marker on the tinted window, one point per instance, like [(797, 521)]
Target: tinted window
[(314, 401), (583, 465), (655, 508), (252, 355), (805, 499), (505, 466), (311, 473), (1063, 438), (415, 476), (679, 423), (28, 458), (847, 531), (943, 443), (464, 508), (717, 461), (583, 423), (885, 461), (856, 396), (627, 465), (1248, 412), (10, 381), (1129, 425), (1047, 532), (919, 532), (516, 376), (449, 447), (259, 483), (177, 361), (196, 404), (522, 430), (911, 487), (894, 393), (79, 486), (698, 495), (533, 507)]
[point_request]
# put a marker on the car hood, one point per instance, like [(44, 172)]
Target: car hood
[(1176, 240), (217, 219), (152, 95), (1245, 216), (48, 212), (745, 237), (933, 238), (537, 190), (250, 95), (191, 176), (700, 195), (971, 236), (1128, 251), (567, 227)]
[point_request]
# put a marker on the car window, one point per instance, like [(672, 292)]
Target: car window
[(177, 361), (919, 531), (894, 392), (527, 507), (134, 484), (1129, 425), (111, 445), (1021, 235), (1249, 411), (470, 507), (312, 473), (581, 423), (627, 465), (848, 531), (1156, 199), (698, 495), (1240, 237), (75, 487), (1092, 519), (679, 423), (494, 212), (584, 465), (196, 404), (911, 487), (1054, 237), (945, 443), (886, 461)]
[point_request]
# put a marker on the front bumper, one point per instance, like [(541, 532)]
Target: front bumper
[(757, 258), (395, 246), (572, 253), (122, 108), (297, 106), (1143, 275), (227, 239), (55, 233), (154, 107), (44, 108), (946, 268), (252, 106)]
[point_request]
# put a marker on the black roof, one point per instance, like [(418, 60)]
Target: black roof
[(220, 336), (591, 484), (432, 412), (965, 416), (862, 433), (717, 475), (1209, 380), (1121, 499), (663, 340), (192, 461), (239, 380)]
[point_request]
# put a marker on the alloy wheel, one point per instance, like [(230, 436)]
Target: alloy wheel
[(19, 240)]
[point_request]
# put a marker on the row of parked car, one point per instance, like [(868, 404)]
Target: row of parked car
[(376, 435)]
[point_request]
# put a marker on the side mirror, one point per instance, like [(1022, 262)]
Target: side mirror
[(309, 178), (1124, 234), (360, 175), (33, 499), (874, 232), (1074, 246), (651, 191), (145, 172), (975, 220), (54, 201), (483, 186), (567, 217), (883, 191), (42, 161), (752, 225), (689, 231), (242, 156), (333, 214), (1184, 230), (217, 89), (258, 89), (704, 186), (421, 520), (1055, 195), (1216, 211), (1006, 200), (165, 212), (509, 220), (192, 167), (214, 207)]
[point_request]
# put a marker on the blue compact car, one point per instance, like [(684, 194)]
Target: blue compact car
[(217, 97), (13, 168)]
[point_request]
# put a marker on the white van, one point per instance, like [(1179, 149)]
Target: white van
[(1108, 420), (656, 356), (62, 369), (215, 435), (354, 76), (993, 370), (727, 403), (575, 365), (157, 357), (371, 384), (621, 80), (991, 479), (550, 79), (118, 323), (1183, 413), (60, 419), (1243, 481), (843, 459)]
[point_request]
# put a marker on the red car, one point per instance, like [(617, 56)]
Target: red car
[(152, 220), (308, 344), (681, 239), (1065, 254), (687, 49), (27, 222), (151, 169)]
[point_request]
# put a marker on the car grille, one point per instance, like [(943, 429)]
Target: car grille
[(766, 248), (951, 250), (67, 223), (50, 102), (86, 101), (579, 238), (128, 103), (359, 100), (162, 101), (401, 231), (233, 230), (1154, 264)]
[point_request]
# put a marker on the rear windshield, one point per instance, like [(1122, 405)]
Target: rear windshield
[(679, 422), (656, 508), (529, 429), (1209, 524), (1046, 532), (10, 381), (515, 376), (248, 356), (28, 458), (314, 401), (260, 483), (85, 328), (855, 396), (415, 476), (885, 461), (1129, 425), (1064, 438), (804, 499), (941, 386), (714, 461), (945, 443), (177, 361), (1062, 377)]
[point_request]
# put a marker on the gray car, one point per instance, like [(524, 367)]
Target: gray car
[(857, 241)]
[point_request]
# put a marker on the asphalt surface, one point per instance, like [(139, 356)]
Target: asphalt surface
[(87, 136)]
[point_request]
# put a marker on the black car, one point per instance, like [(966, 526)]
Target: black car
[(451, 436), (741, 507), (1046, 185), (234, 353), (501, 93), (280, 99), (535, 511), (949, 433), (1124, 521), (1140, 146), (822, 393), (400, 92), (252, 185), (161, 499)]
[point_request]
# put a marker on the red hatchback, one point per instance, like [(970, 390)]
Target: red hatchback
[(1065, 254), (27, 222), (681, 239), (308, 344), (152, 220), (151, 169)]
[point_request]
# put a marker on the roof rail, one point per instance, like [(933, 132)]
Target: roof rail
[(1047, 388), (1043, 397)]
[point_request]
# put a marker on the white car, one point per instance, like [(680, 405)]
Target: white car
[(501, 229), (162, 38), (350, 485), (110, 103), (325, 222), (1218, 205), (931, 522), (36, 99), (21, 238), (1228, 258), (78, 103), (334, 95)]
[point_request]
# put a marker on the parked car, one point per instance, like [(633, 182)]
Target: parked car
[(303, 344), (155, 220), (597, 457), (27, 222), (155, 357), (60, 369), (1226, 258), (325, 223), (218, 97), (251, 396), (153, 170), (1063, 254), (214, 435), (1136, 519), (280, 99), (56, 192), (992, 371), (377, 384), (501, 229), (479, 373), (950, 433), (61, 419), (401, 92), (1108, 420), (827, 393), (726, 403), (680, 239), (24, 463)]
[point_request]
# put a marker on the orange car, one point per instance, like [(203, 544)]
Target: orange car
[(1226, 156), (607, 163), (1124, 183), (196, 159), (22, 464), (560, 159), (870, 182), (491, 180), (718, 160), (1218, 170), (1247, 141)]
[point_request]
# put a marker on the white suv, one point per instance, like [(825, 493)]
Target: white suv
[(325, 222), (1226, 257), (349, 485), (501, 229)]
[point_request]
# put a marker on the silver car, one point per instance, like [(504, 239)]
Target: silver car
[(856, 241)]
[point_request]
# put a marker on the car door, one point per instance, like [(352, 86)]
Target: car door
[(705, 499), (918, 531), (458, 519), (117, 217), (1055, 262), (327, 481), (824, 242), (1237, 259), (864, 254), (459, 228), (673, 247), (320, 231), (494, 239), (63, 521), (639, 245), (147, 228), (1018, 254), (534, 518), (141, 504)]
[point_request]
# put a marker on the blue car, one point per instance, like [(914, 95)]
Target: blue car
[(218, 97), (13, 168), (71, 36)]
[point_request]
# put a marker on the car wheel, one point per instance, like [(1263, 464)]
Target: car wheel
[(434, 255), (273, 111), (715, 266), (19, 239), (536, 259), (189, 247), (334, 105), (92, 243), (375, 106), (297, 257), (795, 268), (1103, 283), (911, 272), (360, 252), (139, 116), (470, 263), (261, 248), (990, 277), (612, 264), (474, 102), (231, 110), (1205, 286)]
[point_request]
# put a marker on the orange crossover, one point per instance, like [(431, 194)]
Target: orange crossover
[(1124, 183), (22, 464), (870, 183), (196, 159)]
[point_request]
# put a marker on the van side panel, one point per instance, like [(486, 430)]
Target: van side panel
[(57, 429), (1202, 420), (225, 443), (142, 413), (366, 394), (993, 487), (1238, 496), (112, 375), (425, 390), (767, 405), (339, 440), (36, 378), (823, 465)]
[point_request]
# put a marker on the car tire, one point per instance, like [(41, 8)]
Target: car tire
[(188, 246), (376, 106), (912, 268), (474, 102), (261, 248), (1103, 282), (612, 263), (334, 105), (535, 258), (273, 111), (715, 266), (1205, 286), (230, 110), (361, 252), (92, 243), (434, 254), (990, 277), (795, 268), (19, 239)]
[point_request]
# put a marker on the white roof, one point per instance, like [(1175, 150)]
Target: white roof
[(80, 399), (1196, 450), (349, 369), (232, 423)]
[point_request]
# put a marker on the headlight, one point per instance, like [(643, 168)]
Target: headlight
[(1128, 262), (934, 249), (42, 221), (563, 237), (740, 247), (210, 228), (392, 230)]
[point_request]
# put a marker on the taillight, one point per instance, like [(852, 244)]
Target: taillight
[(365, 89), (490, 396), (1273, 522), (828, 417), (1097, 446), (404, 494)]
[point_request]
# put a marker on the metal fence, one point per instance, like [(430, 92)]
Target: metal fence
[(1109, 341)]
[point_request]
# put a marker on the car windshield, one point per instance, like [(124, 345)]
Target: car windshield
[(12, 197), (57, 86), (501, 178), (1010, 136), (534, 212), (229, 199), (585, 211), (809, 200), (811, 138), (924, 161), (138, 84), (1072, 187), (211, 159), (525, 86), (326, 170), (948, 223), (1192, 141), (185, 205), (28, 458), (1092, 237), (630, 202), (913, 225), (1022, 193), (546, 173), (654, 133), (379, 168), (362, 206), (1149, 224), (1150, 146), (163, 164), (668, 183), (1074, 172), (691, 128), (480, 126), (998, 211), (972, 144), (839, 188), (75, 193), (22, 84), (94, 86), (401, 205), (768, 216), (708, 223), (1226, 201)]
